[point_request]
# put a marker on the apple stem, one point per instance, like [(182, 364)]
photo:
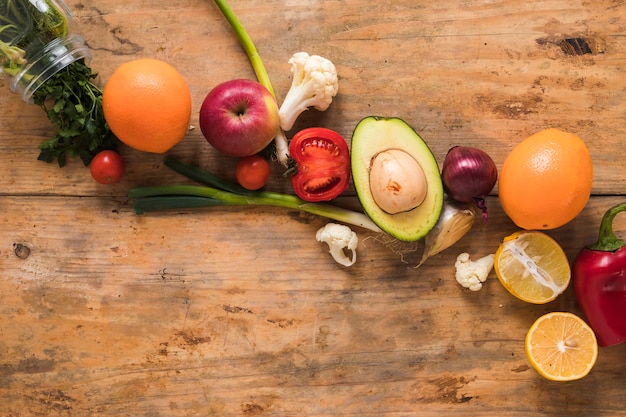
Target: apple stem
[(247, 44)]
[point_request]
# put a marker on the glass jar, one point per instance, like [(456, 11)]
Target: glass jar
[(36, 42)]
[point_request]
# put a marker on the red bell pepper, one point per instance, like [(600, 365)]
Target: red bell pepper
[(599, 277)]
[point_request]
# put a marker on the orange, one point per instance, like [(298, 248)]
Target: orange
[(545, 181), (147, 105), (561, 347), (532, 266)]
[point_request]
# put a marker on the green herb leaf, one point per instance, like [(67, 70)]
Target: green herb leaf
[(73, 103)]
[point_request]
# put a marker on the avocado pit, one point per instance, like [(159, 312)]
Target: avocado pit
[(378, 139), (397, 181)]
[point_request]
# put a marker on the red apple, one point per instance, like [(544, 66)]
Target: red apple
[(239, 117)]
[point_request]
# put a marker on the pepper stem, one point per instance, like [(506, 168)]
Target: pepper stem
[(607, 241)]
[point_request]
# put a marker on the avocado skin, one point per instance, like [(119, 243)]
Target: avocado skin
[(375, 134)]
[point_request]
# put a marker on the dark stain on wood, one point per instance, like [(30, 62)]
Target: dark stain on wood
[(577, 45), (55, 400), (236, 309), (192, 340), (21, 251), (30, 365), (449, 387)]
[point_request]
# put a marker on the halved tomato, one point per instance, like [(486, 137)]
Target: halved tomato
[(322, 162)]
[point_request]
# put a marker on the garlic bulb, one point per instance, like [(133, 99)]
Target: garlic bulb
[(455, 221)]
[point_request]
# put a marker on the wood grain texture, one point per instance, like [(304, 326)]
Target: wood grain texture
[(240, 312)]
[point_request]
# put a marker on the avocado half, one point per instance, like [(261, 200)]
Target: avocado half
[(373, 135)]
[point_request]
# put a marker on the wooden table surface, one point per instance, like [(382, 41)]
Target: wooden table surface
[(241, 312)]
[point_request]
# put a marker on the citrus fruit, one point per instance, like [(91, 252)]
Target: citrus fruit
[(147, 104), (561, 346), (532, 266), (545, 181)]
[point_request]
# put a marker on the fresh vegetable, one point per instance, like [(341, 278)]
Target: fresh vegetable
[(73, 103), (107, 167), (69, 97), (247, 44), (25, 28), (314, 83), (471, 274), (220, 192), (239, 117), (599, 277), (339, 238), (321, 164), (381, 136), (455, 221), (252, 172), (469, 174)]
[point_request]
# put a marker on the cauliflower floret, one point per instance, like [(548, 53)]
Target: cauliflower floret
[(471, 274), (314, 85), (339, 237)]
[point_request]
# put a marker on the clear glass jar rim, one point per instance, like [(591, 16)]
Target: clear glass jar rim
[(57, 55)]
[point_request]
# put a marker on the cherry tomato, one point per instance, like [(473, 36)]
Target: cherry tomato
[(322, 161), (107, 167), (252, 172)]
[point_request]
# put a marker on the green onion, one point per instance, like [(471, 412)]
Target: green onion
[(173, 202), (167, 197), (205, 177), (247, 44)]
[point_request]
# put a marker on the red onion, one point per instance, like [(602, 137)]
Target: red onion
[(468, 175)]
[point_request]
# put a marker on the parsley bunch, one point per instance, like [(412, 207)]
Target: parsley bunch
[(73, 103)]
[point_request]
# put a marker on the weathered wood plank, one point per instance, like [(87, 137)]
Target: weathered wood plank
[(233, 312), (117, 314)]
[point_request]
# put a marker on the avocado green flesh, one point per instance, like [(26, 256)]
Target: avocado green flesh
[(376, 134)]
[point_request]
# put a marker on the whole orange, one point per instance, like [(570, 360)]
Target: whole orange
[(545, 181), (147, 104)]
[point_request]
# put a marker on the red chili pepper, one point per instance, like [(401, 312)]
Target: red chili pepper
[(322, 164), (599, 276)]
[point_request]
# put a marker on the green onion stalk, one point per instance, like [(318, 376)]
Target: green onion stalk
[(280, 141), (220, 192), (247, 44)]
